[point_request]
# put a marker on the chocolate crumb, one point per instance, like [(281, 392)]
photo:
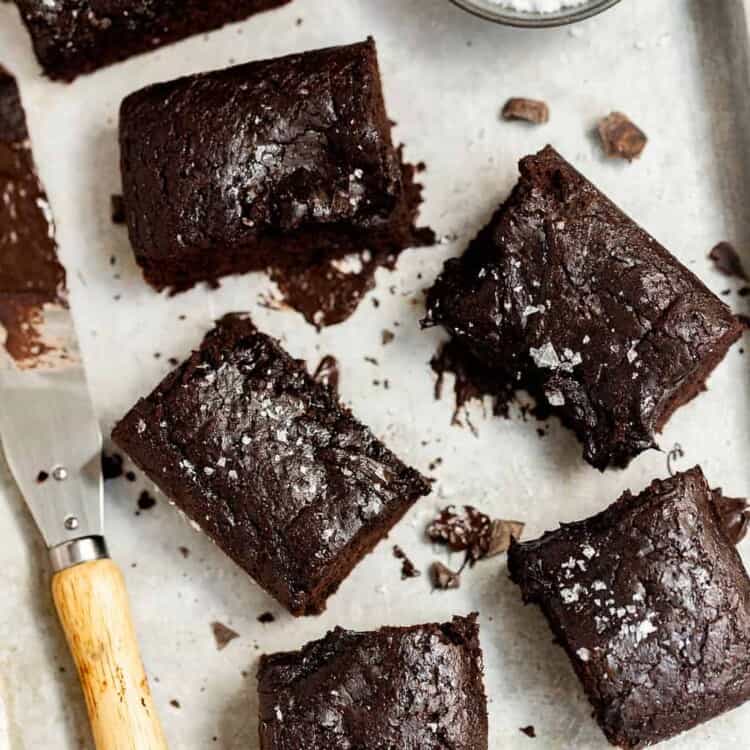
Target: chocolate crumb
[(408, 569), (118, 209), (734, 513), (387, 336), (420, 167), (372, 361), (474, 532), (327, 373), (744, 292), (175, 703), (529, 110), (529, 731), (130, 476), (111, 466), (443, 577), (42, 477), (223, 635), (146, 501), (621, 137), (173, 361), (266, 618), (727, 261), (184, 551)]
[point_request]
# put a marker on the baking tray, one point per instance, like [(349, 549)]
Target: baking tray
[(678, 68)]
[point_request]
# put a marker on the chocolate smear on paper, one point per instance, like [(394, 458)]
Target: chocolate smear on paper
[(31, 276)]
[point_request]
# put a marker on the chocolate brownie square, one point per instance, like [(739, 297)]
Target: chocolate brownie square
[(279, 162), (31, 277), (418, 687), (564, 296), (651, 602), (267, 463), (72, 37)]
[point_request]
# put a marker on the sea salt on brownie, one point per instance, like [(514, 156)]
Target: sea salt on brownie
[(651, 602), (565, 296), (267, 462)]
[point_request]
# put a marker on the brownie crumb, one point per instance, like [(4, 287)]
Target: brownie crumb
[(173, 361), (146, 501), (130, 476), (530, 110), (184, 551), (266, 618), (223, 635), (42, 477), (734, 513), (118, 209), (621, 137), (387, 336), (472, 380), (529, 731), (111, 466), (443, 577), (174, 703), (474, 532), (408, 569), (327, 373), (727, 261)]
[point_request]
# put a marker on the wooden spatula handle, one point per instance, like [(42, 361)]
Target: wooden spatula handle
[(92, 604)]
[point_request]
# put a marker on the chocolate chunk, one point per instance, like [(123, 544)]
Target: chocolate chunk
[(146, 501), (727, 261), (563, 296), (223, 635), (474, 532), (649, 599), (266, 618), (111, 466), (443, 577), (408, 569), (419, 688), (530, 110), (79, 36), (621, 137)]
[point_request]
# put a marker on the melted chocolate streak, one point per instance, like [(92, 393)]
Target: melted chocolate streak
[(30, 273)]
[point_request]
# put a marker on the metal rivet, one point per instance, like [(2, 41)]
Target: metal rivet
[(71, 523), (60, 473)]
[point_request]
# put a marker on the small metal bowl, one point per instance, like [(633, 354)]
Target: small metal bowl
[(493, 12)]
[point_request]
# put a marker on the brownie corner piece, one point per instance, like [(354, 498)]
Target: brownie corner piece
[(268, 464), (651, 602), (564, 295), (74, 37), (304, 168), (414, 687)]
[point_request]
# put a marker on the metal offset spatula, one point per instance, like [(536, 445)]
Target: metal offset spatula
[(47, 425)]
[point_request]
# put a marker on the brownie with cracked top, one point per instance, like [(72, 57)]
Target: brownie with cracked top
[(282, 477), (284, 161), (565, 296), (418, 687), (651, 602), (72, 37)]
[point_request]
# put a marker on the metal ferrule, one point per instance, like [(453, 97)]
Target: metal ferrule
[(78, 551)]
